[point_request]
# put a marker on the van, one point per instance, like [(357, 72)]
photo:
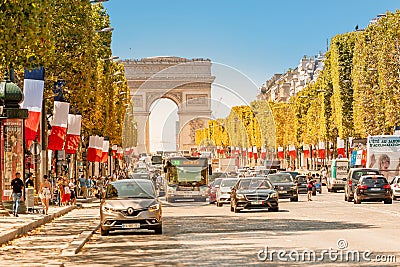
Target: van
[(337, 174)]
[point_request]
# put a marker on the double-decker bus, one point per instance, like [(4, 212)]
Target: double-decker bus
[(187, 178)]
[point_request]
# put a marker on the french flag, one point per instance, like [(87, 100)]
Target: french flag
[(59, 125), (340, 148), (104, 155), (306, 151), (114, 151), (321, 150), (91, 153), (292, 151), (263, 153), (255, 152), (120, 153), (250, 152), (281, 153), (73, 133), (33, 98), (99, 148)]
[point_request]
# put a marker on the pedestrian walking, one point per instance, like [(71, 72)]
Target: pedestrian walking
[(29, 181), (17, 185), (73, 192), (83, 185), (310, 184), (67, 194), (45, 194)]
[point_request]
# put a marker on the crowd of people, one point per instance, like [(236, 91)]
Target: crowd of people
[(61, 191)]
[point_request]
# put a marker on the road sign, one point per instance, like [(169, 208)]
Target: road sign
[(35, 148)]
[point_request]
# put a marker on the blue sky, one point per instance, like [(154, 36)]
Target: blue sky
[(256, 38)]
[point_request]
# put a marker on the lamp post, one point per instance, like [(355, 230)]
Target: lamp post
[(12, 142)]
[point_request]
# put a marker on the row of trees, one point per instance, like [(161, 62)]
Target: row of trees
[(64, 37), (357, 94)]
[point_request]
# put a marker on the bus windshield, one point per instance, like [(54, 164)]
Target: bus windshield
[(189, 174)]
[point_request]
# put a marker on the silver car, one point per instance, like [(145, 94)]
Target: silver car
[(130, 204), (224, 191)]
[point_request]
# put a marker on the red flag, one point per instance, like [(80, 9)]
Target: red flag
[(306, 151), (99, 148), (73, 133), (340, 148), (59, 125), (114, 151), (263, 153), (91, 153), (255, 152), (250, 152), (292, 151), (281, 153), (321, 150), (104, 156)]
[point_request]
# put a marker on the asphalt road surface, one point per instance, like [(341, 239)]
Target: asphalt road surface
[(205, 235)]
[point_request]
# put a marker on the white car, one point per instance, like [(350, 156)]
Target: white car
[(223, 195), (395, 185)]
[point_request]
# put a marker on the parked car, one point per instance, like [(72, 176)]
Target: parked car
[(130, 204), (285, 186), (254, 193), (213, 187), (395, 185), (224, 191), (352, 179), (372, 188)]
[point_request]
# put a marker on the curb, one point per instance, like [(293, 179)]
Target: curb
[(77, 244), (15, 233)]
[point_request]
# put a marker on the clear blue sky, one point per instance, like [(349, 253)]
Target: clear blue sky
[(257, 37)]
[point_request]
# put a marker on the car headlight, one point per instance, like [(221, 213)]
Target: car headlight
[(107, 207), (154, 207), (273, 195), (241, 196)]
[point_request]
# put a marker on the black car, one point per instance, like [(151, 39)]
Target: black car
[(352, 180), (285, 186), (254, 193), (372, 188)]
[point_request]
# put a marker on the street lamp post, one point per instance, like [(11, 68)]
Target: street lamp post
[(12, 119)]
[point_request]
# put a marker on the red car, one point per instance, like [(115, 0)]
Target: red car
[(213, 187)]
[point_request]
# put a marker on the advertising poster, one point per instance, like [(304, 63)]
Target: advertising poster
[(383, 153), (12, 151)]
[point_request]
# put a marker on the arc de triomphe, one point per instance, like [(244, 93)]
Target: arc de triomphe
[(187, 82)]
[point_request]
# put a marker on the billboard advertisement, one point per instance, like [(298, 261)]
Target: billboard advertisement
[(12, 151), (383, 153)]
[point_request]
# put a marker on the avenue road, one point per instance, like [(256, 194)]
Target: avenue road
[(204, 235)]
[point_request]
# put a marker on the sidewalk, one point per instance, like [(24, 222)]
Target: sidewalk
[(13, 227)]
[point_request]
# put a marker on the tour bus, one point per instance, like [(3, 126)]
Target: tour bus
[(337, 174), (187, 178)]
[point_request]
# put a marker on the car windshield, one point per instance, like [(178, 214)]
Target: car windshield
[(251, 184), (280, 178), (217, 182), (301, 179), (130, 189), (357, 174), (371, 181), (228, 182)]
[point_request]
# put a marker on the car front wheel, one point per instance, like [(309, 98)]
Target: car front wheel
[(104, 232)]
